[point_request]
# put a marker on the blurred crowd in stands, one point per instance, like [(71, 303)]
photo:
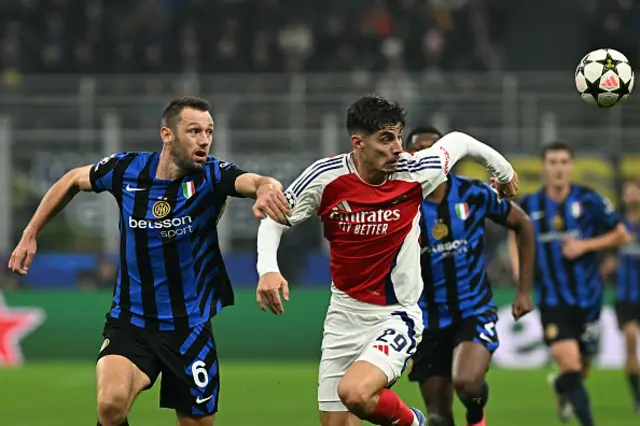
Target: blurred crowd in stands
[(163, 36)]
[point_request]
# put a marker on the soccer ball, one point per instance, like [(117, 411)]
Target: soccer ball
[(604, 77)]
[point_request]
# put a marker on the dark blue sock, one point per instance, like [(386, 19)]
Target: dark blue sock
[(570, 386), (635, 388)]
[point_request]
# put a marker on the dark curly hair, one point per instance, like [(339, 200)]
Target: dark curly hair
[(371, 113)]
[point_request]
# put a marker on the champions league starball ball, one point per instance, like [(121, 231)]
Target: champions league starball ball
[(604, 78)]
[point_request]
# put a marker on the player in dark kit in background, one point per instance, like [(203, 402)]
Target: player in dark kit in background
[(172, 278), (457, 303), (627, 303), (572, 225)]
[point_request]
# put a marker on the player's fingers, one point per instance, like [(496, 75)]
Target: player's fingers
[(258, 213), (272, 299), (16, 266), (273, 215), (259, 300), (28, 259), (278, 212), (285, 290)]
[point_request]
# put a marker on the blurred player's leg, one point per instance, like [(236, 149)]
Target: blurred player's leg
[(475, 341), (119, 381), (630, 331), (430, 366), (569, 383), (470, 364), (437, 393)]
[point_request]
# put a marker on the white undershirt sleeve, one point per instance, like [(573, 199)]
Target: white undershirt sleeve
[(269, 235)]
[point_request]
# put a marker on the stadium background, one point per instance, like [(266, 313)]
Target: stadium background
[(82, 79)]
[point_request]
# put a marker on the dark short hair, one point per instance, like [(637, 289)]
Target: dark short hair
[(556, 146), (431, 130), (171, 113), (371, 113)]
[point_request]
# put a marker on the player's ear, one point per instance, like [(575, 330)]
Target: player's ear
[(165, 134), (357, 141)]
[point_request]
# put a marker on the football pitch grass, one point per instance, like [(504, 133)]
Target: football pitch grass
[(282, 394)]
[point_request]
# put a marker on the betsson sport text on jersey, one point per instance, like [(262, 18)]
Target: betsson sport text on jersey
[(366, 222), (170, 227)]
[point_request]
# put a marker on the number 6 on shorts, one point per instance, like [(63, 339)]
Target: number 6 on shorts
[(397, 343), (199, 373)]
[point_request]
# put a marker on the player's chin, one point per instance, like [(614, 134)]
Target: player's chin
[(389, 168), (198, 164)]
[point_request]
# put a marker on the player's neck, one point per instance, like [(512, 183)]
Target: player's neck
[(438, 194), (167, 168), (368, 175), (557, 193)]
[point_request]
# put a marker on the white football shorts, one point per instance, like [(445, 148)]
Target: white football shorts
[(385, 336)]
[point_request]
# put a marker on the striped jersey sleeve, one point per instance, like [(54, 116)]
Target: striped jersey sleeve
[(101, 174), (497, 209), (305, 192), (603, 210), (426, 167), (224, 175)]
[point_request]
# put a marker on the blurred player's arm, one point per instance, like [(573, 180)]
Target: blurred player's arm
[(303, 197), (605, 214), (267, 191), (452, 148), (608, 266), (56, 198), (512, 247), (524, 239), (514, 218)]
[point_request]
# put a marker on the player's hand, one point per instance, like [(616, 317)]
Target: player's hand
[(268, 292), (271, 202), (573, 248), (506, 190), (23, 254), (522, 305)]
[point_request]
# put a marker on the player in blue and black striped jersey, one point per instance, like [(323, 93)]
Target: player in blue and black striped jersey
[(627, 299), (459, 313), (573, 224), (171, 277)]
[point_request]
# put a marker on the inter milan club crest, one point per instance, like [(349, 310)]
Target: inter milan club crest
[(462, 210), (439, 230), (161, 209), (15, 324), (188, 189), (557, 222)]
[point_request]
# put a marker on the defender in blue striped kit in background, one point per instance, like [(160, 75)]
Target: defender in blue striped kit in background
[(572, 224), (171, 279), (625, 268)]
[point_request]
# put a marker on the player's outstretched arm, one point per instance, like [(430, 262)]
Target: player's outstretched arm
[(56, 198), (455, 146), (524, 241), (271, 281), (303, 197), (267, 192)]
